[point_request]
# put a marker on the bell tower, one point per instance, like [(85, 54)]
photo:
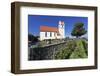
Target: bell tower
[(61, 27)]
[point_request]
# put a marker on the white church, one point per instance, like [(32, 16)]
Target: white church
[(47, 32)]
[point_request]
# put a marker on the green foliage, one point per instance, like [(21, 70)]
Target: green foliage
[(78, 30), (32, 38), (85, 44), (65, 53), (74, 49), (80, 51)]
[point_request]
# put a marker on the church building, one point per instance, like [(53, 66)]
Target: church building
[(47, 32)]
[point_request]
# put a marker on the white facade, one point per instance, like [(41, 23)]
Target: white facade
[(46, 35), (54, 35)]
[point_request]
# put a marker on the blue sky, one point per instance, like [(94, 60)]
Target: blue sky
[(35, 21)]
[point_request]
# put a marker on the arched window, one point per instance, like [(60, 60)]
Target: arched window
[(45, 34), (50, 34)]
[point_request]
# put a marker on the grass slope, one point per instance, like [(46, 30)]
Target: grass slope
[(74, 49)]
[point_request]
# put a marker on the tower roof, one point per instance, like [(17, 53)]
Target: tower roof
[(61, 23)]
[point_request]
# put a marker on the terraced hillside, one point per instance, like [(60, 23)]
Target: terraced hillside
[(75, 49)]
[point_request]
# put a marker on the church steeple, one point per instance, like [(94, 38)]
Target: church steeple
[(61, 27)]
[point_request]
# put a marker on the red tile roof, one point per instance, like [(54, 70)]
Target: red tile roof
[(48, 29)]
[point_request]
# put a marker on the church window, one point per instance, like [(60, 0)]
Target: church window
[(50, 34), (58, 34), (45, 34)]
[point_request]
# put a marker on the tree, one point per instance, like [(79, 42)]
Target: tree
[(30, 37), (78, 30), (33, 38)]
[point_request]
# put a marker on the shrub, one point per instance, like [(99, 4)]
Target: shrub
[(74, 49), (65, 53)]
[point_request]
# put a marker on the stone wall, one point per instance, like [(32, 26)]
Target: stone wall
[(45, 53)]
